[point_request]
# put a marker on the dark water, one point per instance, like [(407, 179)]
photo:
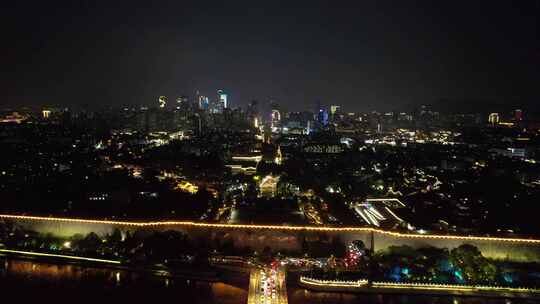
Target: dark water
[(297, 296), (31, 281)]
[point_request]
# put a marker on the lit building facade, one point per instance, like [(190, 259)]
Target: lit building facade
[(223, 98), (162, 101), (493, 118)]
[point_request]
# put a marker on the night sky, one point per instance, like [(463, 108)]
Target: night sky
[(363, 55)]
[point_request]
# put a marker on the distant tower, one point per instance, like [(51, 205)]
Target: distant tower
[(181, 100), (46, 113), (334, 109), (279, 156), (518, 115), (182, 103), (322, 116), (222, 98), (162, 101), (203, 103), (493, 118), (276, 118)]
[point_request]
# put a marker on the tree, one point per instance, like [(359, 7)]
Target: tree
[(487, 272), (90, 243), (115, 237), (404, 251), (337, 247), (474, 267)]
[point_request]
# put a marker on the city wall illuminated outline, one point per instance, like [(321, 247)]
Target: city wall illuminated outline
[(189, 224), (70, 257), (422, 286)]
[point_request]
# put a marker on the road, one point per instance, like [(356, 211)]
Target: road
[(267, 287)]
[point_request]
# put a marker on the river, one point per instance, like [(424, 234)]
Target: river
[(31, 280)]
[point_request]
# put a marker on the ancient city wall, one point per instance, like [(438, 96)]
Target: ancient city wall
[(285, 238)]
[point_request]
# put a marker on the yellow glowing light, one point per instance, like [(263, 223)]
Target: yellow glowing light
[(450, 287), (256, 158), (329, 283), (186, 186), (507, 124), (269, 227), (422, 286), (46, 113), (60, 256)]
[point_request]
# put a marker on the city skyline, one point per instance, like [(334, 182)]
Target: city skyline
[(270, 152), (372, 56)]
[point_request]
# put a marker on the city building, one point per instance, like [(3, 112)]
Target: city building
[(45, 114), (162, 102), (276, 117), (334, 111), (182, 103), (268, 185), (493, 118), (222, 98), (323, 117), (204, 103), (518, 115)]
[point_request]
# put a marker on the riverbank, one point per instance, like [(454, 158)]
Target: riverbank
[(113, 284), (363, 286), (210, 274)]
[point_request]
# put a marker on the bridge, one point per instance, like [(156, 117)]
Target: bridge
[(267, 286)]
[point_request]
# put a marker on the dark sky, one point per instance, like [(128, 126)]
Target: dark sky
[(364, 55)]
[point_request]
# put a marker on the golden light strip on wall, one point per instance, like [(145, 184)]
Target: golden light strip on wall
[(450, 287), (325, 283), (70, 257), (423, 286), (268, 227)]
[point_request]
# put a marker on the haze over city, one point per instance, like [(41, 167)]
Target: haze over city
[(368, 55)]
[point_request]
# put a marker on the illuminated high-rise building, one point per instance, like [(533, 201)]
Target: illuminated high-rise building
[(222, 98), (276, 118), (216, 107), (204, 103), (493, 118), (322, 117), (334, 109), (46, 113), (181, 100), (182, 103), (162, 101), (518, 115)]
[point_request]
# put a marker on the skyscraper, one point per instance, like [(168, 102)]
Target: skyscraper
[(46, 113), (222, 98), (276, 118), (203, 103), (493, 118), (518, 115), (334, 110), (162, 101), (322, 116), (181, 100)]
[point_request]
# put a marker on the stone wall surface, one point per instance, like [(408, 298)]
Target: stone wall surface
[(286, 239)]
